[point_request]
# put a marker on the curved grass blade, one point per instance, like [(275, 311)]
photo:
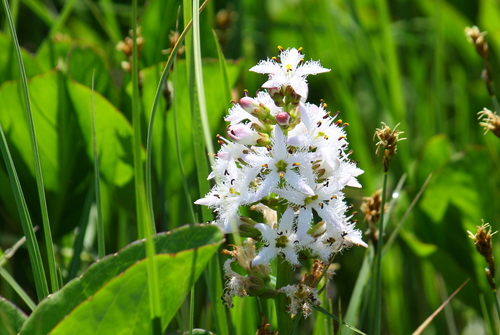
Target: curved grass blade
[(38, 170), (42, 289)]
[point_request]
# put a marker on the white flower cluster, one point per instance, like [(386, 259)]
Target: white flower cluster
[(290, 156)]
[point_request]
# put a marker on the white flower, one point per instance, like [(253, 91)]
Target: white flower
[(282, 241), (302, 298), (291, 71), (232, 191), (279, 165)]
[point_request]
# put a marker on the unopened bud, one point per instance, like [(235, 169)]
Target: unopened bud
[(283, 119), (255, 108), (247, 229), (317, 230), (277, 95), (242, 134)]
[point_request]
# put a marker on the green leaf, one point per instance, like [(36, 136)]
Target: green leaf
[(11, 318), (111, 297), (62, 110), (419, 248), (8, 57)]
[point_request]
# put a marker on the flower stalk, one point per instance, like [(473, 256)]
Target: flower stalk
[(388, 140)]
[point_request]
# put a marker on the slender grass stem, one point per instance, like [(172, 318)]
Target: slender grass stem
[(145, 220), (101, 249), (38, 168), (378, 274)]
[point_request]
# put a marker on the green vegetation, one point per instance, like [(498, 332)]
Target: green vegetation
[(404, 62)]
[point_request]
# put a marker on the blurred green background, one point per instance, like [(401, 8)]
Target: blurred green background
[(400, 61)]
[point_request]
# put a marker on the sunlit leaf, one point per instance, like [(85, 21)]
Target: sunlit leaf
[(111, 297)]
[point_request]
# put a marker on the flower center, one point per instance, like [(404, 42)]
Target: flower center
[(281, 241), (281, 165)]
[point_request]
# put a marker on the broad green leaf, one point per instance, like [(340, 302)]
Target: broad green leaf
[(62, 110), (114, 133), (83, 61), (419, 248), (11, 318), (8, 57), (111, 296)]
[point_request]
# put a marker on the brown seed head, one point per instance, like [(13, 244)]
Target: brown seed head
[(490, 121), (482, 241), (387, 139), (478, 38)]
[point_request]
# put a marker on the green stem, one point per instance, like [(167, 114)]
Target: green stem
[(145, 223), (497, 305), (283, 277), (378, 278)]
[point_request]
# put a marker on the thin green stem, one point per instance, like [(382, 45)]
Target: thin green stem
[(38, 168), (378, 278), (145, 220), (101, 249), (497, 304), (283, 277)]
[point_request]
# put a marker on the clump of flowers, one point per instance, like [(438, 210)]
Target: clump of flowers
[(288, 160)]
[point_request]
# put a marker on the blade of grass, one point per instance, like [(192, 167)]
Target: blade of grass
[(9, 279), (101, 248), (61, 19), (38, 169), (359, 289), (145, 221), (436, 312), (42, 289), (17, 288), (330, 315), (395, 233), (112, 26), (80, 237)]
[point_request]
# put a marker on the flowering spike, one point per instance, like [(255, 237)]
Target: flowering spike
[(280, 159)]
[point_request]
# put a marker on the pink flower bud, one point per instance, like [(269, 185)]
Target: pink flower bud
[(243, 134), (255, 108), (283, 118)]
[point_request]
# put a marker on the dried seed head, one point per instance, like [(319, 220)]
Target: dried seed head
[(478, 39), (371, 207), (387, 139), (490, 121), (482, 241)]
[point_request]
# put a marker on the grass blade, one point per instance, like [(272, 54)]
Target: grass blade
[(101, 249), (42, 289), (9, 279), (38, 169)]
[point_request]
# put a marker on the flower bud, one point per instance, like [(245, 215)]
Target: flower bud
[(277, 95), (242, 134), (255, 108), (317, 230), (247, 229), (283, 119)]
